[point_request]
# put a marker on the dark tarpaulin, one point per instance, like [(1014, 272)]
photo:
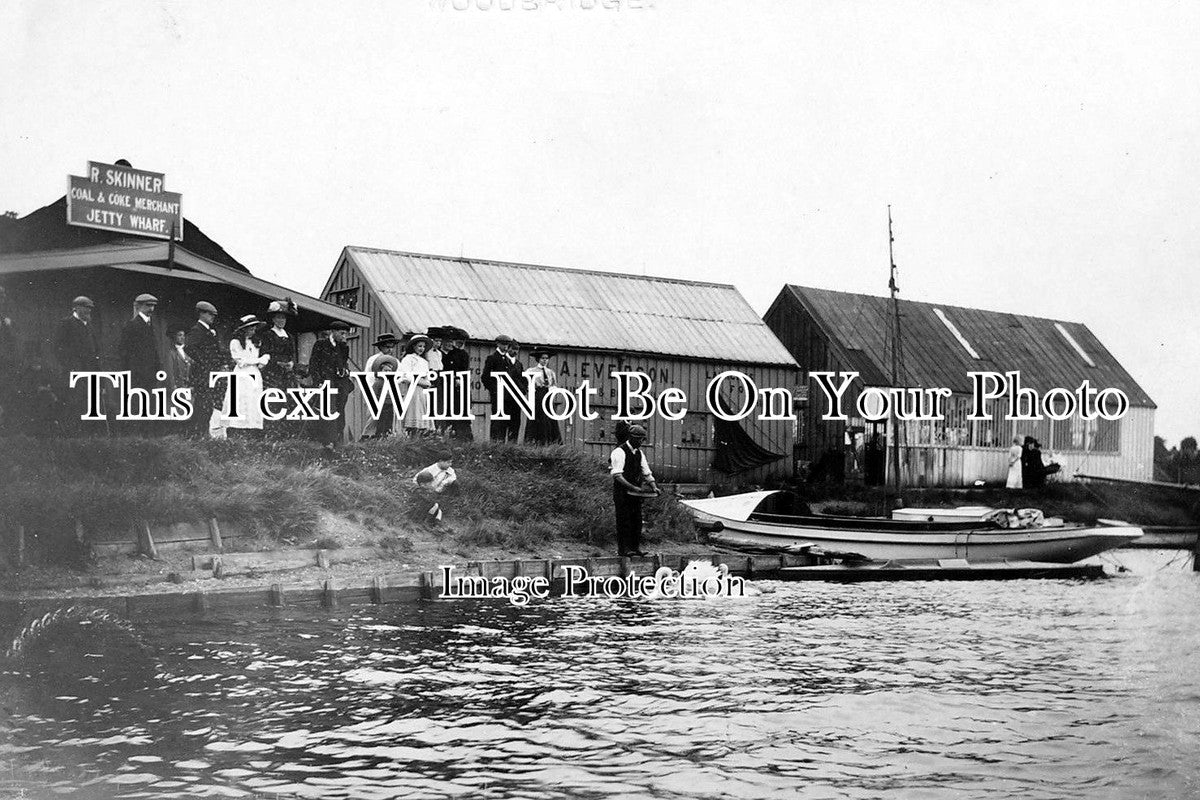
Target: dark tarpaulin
[(736, 451)]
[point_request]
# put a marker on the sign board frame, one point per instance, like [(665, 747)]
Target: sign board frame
[(118, 203)]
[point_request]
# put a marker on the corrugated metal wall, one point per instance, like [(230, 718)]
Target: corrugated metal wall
[(679, 451)]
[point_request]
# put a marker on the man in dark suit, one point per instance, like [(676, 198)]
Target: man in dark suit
[(456, 360), (203, 347), (329, 363), (138, 352), (516, 372), (77, 350), (498, 362)]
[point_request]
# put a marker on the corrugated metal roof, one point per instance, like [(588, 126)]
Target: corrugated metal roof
[(933, 356), (569, 307)]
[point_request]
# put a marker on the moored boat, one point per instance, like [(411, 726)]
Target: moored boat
[(770, 520)]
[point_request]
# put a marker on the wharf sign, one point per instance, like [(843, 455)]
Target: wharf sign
[(112, 197)]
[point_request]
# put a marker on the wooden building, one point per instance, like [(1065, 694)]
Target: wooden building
[(940, 345), (680, 333), (45, 263)]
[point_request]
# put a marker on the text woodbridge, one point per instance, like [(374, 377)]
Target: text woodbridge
[(448, 398)]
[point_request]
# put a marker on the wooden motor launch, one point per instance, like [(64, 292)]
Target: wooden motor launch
[(777, 520)]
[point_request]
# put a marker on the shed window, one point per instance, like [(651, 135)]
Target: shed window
[(957, 334), (346, 298), (696, 429), (1071, 341)]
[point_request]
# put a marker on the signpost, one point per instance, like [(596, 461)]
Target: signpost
[(119, 198)]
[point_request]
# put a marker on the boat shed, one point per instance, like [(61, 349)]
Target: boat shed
[(45, 263), (680, 333), (940, 345)]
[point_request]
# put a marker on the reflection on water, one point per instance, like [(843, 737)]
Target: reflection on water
[(1036, 689)]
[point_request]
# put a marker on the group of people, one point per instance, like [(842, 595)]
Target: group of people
[(505, 359), (1026, 467), (437, 360), (261, 354), (441, 350)]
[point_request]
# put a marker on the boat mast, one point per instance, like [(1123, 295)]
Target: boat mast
[(897, 359)]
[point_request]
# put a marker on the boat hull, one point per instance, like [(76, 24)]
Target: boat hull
[(890, 541), (1059, 545)]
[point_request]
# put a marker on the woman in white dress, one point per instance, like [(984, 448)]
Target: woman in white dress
[(1014, 465), (246, 363), (415, 369)]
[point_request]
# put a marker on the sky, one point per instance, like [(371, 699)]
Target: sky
[(1038, 158)]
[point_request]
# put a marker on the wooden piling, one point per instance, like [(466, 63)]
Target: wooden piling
[(20, 545), (1196, 555), (376, 593), (214, 534), (146, 544), (200, 602), (322, 559), (328, 594), (79, 531), (275, 595)]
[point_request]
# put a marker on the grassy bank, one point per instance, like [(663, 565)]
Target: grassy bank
[(511, 501), (508, 498)]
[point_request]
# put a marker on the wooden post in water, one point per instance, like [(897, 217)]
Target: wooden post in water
[(328, 594), (20, 546), (275, 595), (377, 590), (1196, 555)]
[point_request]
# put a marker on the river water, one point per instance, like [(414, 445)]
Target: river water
[(1031, 689)]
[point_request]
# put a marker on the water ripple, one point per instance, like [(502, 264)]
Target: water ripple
[(1037, 689)]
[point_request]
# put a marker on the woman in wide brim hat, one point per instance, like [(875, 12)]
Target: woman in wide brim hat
[(541, 429), (417, 338), (249, 321), (414, 368), (247, 363)]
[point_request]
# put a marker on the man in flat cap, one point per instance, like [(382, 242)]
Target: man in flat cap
[(138, 350), (76, 349), (496, 363), (457, 361), (632, 481), (203, 347), (330, 363)]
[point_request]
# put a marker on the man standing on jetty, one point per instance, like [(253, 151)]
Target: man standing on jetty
[(632, 481), (138, 351), (77, 350), (329, 363), (498, 362), (203, 347)]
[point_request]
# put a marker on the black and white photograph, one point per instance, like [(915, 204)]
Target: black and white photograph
[(594, 399)]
